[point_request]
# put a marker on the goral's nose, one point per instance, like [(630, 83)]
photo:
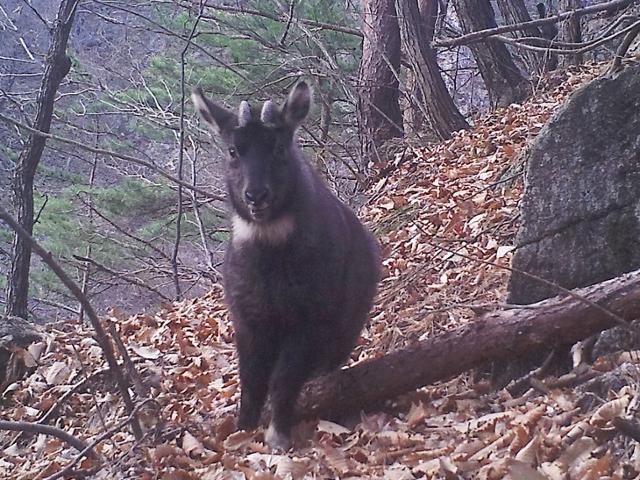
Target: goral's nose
[(256, 196)]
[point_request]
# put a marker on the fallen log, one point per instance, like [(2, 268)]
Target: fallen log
[(500, 335)]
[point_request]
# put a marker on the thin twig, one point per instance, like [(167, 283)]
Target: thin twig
[(44, 204), (75, 388), (585, 48), (122, 275), (37, 14), (280, 18), (196, 210), (86, 272), (166, 31), (92, 393), (292, 4), (178, 236), (127, 233)]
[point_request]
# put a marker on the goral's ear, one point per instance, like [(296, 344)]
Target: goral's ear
[(297, 105), (217, 118)]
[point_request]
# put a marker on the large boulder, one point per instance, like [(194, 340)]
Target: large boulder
[(581, 207)]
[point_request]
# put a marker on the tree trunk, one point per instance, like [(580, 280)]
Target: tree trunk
[(443, 116), (414, 117), (550, 32), (570, 31), (514, 12), (57, 65), (429, 10), (379, 113), (501, 335), (504, 81)]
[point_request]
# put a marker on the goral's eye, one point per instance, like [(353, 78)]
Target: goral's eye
[(234, 160)]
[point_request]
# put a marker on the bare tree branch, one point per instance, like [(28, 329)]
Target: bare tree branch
[(622, 49), (86, 273), (167, 31), (292, 4), (572, 51), (49, 430), (178, 236), (62, 398), (613, 316), (482, 34)]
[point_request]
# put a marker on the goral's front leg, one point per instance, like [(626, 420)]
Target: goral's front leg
[(257, 354), (294, 365)]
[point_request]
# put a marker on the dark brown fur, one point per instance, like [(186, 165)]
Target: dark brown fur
[(299, 299)]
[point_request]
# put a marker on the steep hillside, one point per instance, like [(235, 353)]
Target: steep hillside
[(446, 216)]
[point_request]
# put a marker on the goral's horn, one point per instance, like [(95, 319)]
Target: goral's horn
[(244, 113), (268, 114)]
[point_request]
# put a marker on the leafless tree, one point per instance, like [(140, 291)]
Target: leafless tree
[(570, 31), (57, 65), (442, 115), (378, 90), (504, 81), (414, 116)]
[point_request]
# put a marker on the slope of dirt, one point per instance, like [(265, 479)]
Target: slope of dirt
[(442, 207)]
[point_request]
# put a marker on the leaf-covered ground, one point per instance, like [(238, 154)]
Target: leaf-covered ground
[(441, 209)]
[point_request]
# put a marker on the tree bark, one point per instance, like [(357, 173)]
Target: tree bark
[(514, 12), (550, 32), (570, 31), (442, 115), (501, 335), (379, 113), (57, 65), (414, 116), (504, 81)]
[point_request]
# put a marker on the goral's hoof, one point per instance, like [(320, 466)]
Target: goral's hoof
[(276, 439)]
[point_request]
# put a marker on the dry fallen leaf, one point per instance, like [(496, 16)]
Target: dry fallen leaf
[(332, 428), (58, 373), (609, 410), (237, 440), (522, 471), (191, 445), (150, 353)]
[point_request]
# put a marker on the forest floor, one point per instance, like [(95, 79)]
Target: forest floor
[(442, 208)]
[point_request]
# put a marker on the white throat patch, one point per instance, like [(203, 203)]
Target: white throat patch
[(273, 233)]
